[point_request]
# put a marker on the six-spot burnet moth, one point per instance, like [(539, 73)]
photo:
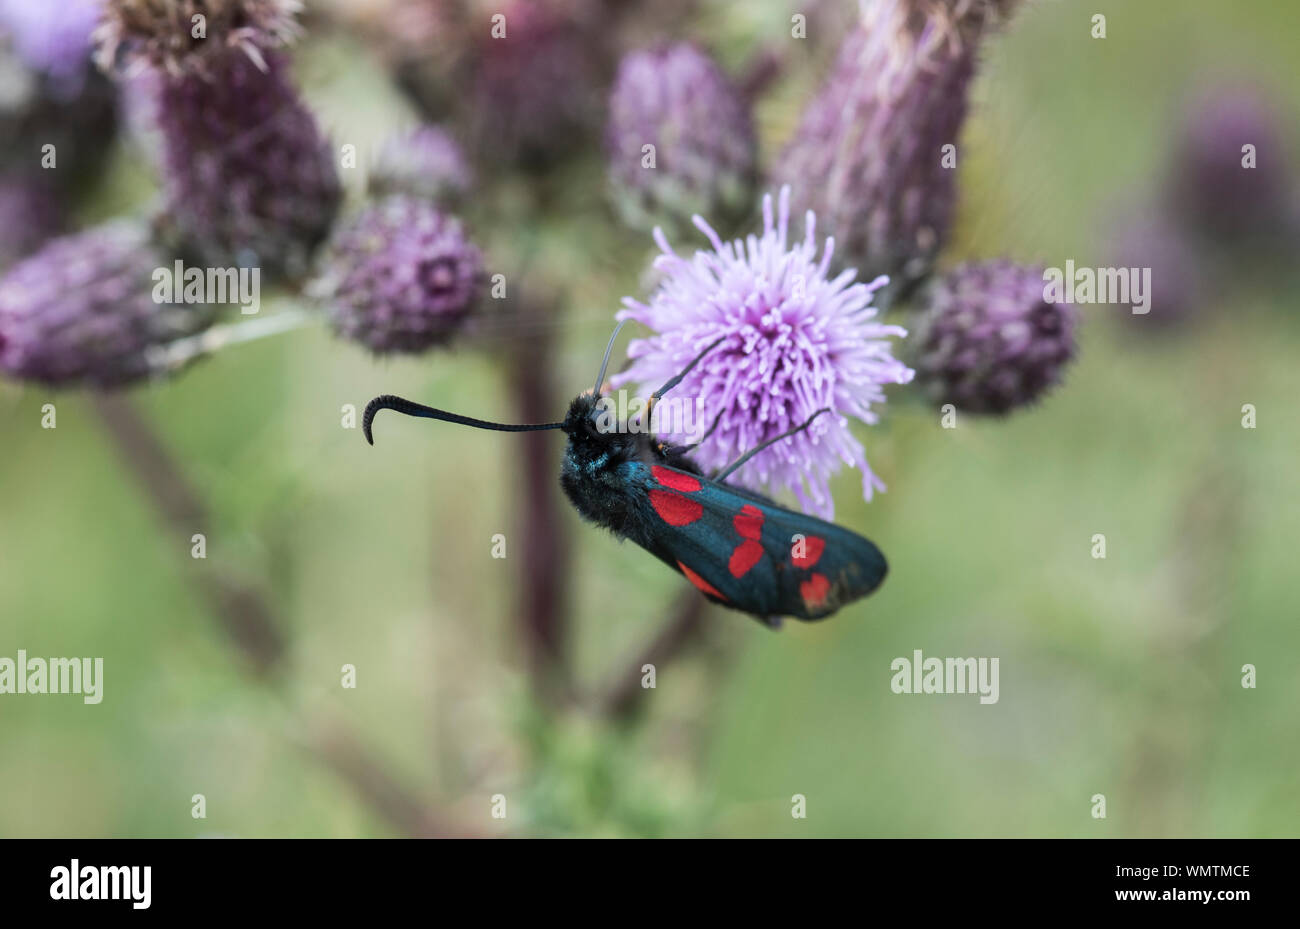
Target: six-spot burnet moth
[(739, 548)]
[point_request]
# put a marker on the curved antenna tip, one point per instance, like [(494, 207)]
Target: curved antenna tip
[(368, 417)]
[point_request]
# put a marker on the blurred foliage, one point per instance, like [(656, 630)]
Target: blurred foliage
[(1119, 677)]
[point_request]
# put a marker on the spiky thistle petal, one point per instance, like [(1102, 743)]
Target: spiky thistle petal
[(794, 340)]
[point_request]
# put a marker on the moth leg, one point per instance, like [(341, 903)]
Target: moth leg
[(677, 379), (750, 454), (676, 451)]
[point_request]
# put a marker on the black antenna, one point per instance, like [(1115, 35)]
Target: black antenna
[(600, 378), (389, 402)]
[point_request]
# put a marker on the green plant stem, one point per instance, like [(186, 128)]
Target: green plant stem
[(170, 358), (247, 619), (545, 562)]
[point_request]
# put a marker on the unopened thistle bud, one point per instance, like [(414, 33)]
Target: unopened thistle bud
[(680, 141), (81, 311), (400, 276), (185, 36), (249, 179), (986, 339), (870, 154)]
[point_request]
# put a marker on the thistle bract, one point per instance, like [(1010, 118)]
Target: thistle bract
[(869, 154), (400, 276), (987, 340), (679, 140), (81, 311), (186, 36), (249, 179)]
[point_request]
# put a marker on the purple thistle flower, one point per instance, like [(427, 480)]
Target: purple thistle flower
[(868, 154), (677, 99), (248, 177), (400, 276), (423, 162), (81, 311), (794, 341), (986, 339), (53, 37)]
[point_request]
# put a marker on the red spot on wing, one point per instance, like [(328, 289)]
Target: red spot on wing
[(746, 555), (675, 479), (749, 522), (807, 553), (814, 591), (675, 509), (700, 582)]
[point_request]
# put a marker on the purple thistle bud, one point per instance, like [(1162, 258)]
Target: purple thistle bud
[(678, 100), (422, 162), (868, 156), (249, 179), (533, 93), (794, 341), (1220, 189), (162, 34), (986, 339), (29, 214), (400, 276), (81, 311)]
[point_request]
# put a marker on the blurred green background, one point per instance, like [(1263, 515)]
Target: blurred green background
[(1119, 676)]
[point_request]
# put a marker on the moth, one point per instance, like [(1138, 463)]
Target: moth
[(738, 548)]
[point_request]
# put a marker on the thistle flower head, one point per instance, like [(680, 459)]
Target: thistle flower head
[(81, 310), (184, 36), (794, 341), (868, 153), (248, 177), (987, 340), (424, 162), (400, 276), (678, 100)]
